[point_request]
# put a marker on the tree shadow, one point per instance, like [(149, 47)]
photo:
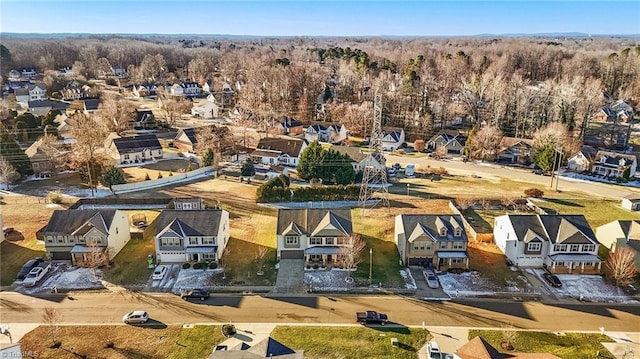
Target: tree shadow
[(563, 202)]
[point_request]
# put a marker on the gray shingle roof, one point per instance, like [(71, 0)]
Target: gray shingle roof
[(312, 220), (137, 143), (566, 229), (190, 223), (290, 146), (65, 222), (415, 225)]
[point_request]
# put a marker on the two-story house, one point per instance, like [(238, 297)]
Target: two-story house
[(291, 126), (135, 149), (515, 150), (326, 133), (581, 160), (621, 234), (359, 160), (75, 234), (561, 243), (613, 164), (32, 92), (191, 88), (184, 235), (315, 234), (279, 151), (431, 240), (392, 139)]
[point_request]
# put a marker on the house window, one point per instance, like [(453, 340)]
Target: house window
[(458, 232), (574, 248), (193, 240), (126, 157), (81, 240), (315, 257), (443, 245), (71, 240), (208, 240), (330, 240), (534, 247), (588, 264), (559, 264), (458, 245), (209, 256), (316, 240), (457, 260), (589, 247), (416, 246), (560, 248), (49, 240), (291, 240), (443, 231), (60, 239), (170, 242)]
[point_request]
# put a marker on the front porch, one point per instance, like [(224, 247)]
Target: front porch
[(88, 256), (452, 259), (201, 254), (573, 264), (323, 256)]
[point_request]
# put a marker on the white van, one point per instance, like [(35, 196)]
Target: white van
[(433, 350), (410, 170)]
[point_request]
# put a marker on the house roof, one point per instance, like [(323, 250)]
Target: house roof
[(79, 221), (91, 104), (203, 222), (478, 348), (190, 133), (446, 135), (285, 145), (289, 122), (394, 134), (314, 220), (631, 231), (355, 153), (39, 104), (506, 142), (136, 143), (143, 115), (633, 196), (35, 149), (555, 228), (22, 91), (266, 348), (614, 158), (588, 151), (429, 226)]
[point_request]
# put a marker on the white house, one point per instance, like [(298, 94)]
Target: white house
[(175, 89), (631, 202), (582, 160), (561, 243), (434, 241), (393, 139), (613, 164), (135, 149), (191, 88), (145, 91), (33, 92), (326, 133), (359, 159), (207, 110), (191, 235), (315, 234), (28, 72), (621, 234), (279, 151), (75, 233)]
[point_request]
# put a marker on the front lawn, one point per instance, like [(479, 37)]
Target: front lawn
[(597, 212), (197, 342), (566, 345), (130, 266), (487, 259), (352, 342)]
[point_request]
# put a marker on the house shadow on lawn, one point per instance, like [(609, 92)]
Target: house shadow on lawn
[(563, 202)]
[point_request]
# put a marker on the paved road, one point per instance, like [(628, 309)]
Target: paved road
[(108, 307), (456, 167)]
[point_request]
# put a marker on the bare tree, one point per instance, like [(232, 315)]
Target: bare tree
[(465, 202), (97, 257), (486, 143), (261, 257), (51, 318), (173, 106), (621, 266), (51, 148), (350, 252), (116, 113), (8, 174), (89, 136)]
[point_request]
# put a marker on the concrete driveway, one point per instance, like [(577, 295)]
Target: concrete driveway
[(290, 278), (423, 291)]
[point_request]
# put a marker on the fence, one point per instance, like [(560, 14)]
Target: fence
[(178, 177), (121, 202)]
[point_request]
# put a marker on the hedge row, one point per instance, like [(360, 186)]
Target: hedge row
[(269, 193)]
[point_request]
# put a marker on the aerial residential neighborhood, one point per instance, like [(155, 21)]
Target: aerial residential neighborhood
[(300, 188)]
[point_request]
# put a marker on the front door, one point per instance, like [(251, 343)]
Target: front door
[(194, 257)]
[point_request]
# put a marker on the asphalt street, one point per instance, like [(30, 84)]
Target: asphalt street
[(108, 308)]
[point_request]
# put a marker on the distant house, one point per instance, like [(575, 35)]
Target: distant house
[(478, 348), (191, 235), (392, 139), (618, 111), (631, 202), (140, 91), (65, 126), (135, 149), (28, 72), (621, 234), (144, 119), (22, 94), (279, 151), (582, 160), (40, 107), (359, 159), (86, 106), (265, 348), (291, 126), (78, 92), (326, 133), (207, 110), (175, 89), (118, 72), (604, 114), (561, 243), (33, 92), (515, 150), (186, 139), (437, 241), (191, 88), (74, 234), (14, 75), (65, 71), (613, 164), (315, 234), (39, 158), (447, 142)]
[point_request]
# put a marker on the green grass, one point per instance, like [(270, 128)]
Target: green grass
[(197, 342), (360, 342), (597, 212), (568, 346), (241, 263), (130, 264), (14, 256)]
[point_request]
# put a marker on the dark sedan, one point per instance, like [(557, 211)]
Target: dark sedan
[(194, 294), (553, 280)]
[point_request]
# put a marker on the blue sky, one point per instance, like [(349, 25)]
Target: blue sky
[(314, 18)]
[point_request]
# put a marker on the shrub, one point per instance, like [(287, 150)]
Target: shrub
[(228, 330), (170, 173), (186, 265), (213, 265), (533, 192), (400, 151), (316, 266), (203, 265), (197, 265), (418, 145), (54, 197), (146, 177), (159, 174)]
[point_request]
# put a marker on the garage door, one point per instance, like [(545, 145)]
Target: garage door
[(61, 256), (291, 254), (171, 257)]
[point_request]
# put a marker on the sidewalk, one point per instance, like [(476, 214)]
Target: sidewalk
[(17, 332), (448, 339)]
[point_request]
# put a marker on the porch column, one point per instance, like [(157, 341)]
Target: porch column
[(599, 266), (581, 267), (553, 266)]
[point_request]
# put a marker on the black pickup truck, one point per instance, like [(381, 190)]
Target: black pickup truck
[(371, 317)]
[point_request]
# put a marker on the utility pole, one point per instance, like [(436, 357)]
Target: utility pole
[(559, 164), (374, 178)]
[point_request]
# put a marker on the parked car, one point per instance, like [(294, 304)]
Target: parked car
[(27, 267), (34, 276), (159, 272), (410, 170), (432, 279), (371, 317), (553, 280), (396, 166), (198, 293), (134, 317), (391, 172), (433, 350), (7, 230)]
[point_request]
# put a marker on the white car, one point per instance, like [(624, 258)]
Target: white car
[(432, 279), (159, 272), (433, 350), (34, 277), (138, 316)]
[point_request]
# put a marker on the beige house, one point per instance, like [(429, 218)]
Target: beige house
[(135, 149), (74, 234), (40, 160), (435, 241), (631, 202), (315, 234), (619, 234)]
